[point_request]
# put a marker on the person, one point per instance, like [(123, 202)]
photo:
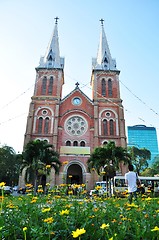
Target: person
[(130, 180)]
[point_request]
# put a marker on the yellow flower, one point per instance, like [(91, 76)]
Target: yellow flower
[(155, 229), (148, 199), (70, 192), (114, 220), (10, 206), (24, 229), (48, 166), (124, 218), (64, 212), (103, 226), (95, 209), (48, 220), (98, 187), (2, 184), (33, 201), (78, 232), (40, 190), (64, 163), (132, 205), (45, 210), (28, 185)]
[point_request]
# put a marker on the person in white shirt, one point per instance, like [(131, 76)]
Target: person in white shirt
[(130, 180)]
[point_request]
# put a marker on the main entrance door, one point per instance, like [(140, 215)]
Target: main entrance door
[(74, 174)]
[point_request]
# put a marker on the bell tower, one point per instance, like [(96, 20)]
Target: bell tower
[(42, 121), (109, 123)]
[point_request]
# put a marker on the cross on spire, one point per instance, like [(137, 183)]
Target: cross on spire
[(56, 20), (76, 84), (102, 21)]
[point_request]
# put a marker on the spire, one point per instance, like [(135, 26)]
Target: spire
[(52, 57), (104, 60)]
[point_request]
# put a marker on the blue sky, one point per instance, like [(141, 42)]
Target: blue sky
[(25, 29)]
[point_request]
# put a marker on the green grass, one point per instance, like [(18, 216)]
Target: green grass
[(56, 217)]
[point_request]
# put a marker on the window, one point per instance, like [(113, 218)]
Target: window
[(105, 143), (68, 143), (50, 86), (111, 127), (76, 126), (40, 124), (75, 143), (105, 127), (46, 127), (82, 144), (110, 94), (103, 87), (43, 90)]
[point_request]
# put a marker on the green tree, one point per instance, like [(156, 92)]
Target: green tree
[(155, 166), (36, 156), (139, 158), (9, 165)]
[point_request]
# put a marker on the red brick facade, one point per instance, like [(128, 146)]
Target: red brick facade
[(75, 125)]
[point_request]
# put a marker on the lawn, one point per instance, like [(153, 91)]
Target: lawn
[(60, 216)]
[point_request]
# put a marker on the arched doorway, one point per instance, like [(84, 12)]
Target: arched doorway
[(74, 174)]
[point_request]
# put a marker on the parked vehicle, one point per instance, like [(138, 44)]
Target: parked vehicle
[(15, 188), (6, 189), (148, 184), (100, 189)]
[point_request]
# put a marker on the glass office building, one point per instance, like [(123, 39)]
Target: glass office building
[(141, 136)]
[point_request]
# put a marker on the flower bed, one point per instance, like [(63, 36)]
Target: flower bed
[(68, 217)]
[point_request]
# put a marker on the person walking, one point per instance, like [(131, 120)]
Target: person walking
[(130, 180)]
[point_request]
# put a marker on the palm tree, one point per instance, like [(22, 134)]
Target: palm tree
[(107, 155), (37, 155), (107, 159)]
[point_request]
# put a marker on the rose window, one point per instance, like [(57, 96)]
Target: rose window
[(76, 126)]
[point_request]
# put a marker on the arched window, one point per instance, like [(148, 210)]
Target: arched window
[(105, 127), (103, 87), (110, 93), (82, 144), (40, 124), (46, 126), (75, 143), (50, 86), (68, 143), (43, 90), (111, 127), (105, 143)]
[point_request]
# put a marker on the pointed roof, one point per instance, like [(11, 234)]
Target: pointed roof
[(74, 90), (52, 57), (104, 60)]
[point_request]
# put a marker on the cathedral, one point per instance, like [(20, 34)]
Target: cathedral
[(76, 124)]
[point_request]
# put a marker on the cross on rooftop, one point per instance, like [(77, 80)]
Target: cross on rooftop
[(56, 20), (102, 21), (76, 84)]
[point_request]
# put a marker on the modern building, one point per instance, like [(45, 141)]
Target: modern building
[(141, 136), (76, 124)]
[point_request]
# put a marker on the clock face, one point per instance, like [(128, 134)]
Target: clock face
[(76, 101)]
